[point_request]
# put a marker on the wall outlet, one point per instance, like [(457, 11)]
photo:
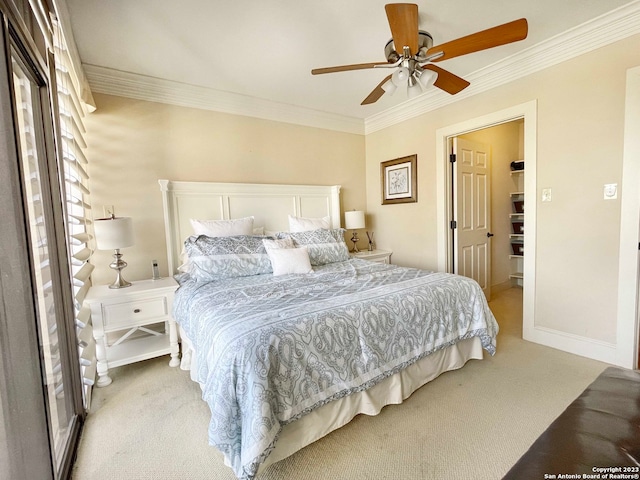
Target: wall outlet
[(610, 191), (108, 211)]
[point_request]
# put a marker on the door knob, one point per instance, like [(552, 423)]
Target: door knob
[(489, 234)]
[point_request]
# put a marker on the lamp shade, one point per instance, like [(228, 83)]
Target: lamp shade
[(414, 90), (389, 87), (427, 78), (113, 233), (400, 76), (354, 219)]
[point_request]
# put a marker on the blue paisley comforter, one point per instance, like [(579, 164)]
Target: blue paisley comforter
[(271, 349)]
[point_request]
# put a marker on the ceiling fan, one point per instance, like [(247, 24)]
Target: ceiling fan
[(411, 52)]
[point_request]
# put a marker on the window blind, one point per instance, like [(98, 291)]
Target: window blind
[(77, 202)]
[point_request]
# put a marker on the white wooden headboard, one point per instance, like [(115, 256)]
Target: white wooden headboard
[(270, 206)]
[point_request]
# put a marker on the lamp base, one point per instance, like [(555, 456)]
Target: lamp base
[(355, 239), (118, 264)]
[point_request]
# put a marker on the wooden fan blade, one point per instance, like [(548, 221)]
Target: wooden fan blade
[(447, 81), (344, 68), (377, 92), (492, 37), (403, 21)]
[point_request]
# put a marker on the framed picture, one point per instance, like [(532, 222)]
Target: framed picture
[(399, 180)]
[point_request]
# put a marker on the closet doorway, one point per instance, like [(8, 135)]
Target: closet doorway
[(487, 185), (521, 119)]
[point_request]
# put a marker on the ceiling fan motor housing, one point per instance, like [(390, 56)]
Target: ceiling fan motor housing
[(425, 42)]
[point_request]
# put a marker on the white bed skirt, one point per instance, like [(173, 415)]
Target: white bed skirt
[(392, 390)]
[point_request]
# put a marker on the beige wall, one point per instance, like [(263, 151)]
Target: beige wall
[(579, 149), (134, 143)]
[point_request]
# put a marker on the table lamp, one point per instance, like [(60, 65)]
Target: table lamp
[(114, 233), (352, 221)]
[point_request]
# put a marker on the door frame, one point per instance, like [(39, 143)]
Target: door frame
[(23, 396), (528, 112), (22, 393), (628, 270)]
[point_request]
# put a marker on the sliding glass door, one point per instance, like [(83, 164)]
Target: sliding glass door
[(37, 340), (32, 148)]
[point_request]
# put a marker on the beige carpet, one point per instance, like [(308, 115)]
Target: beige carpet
[(474, 423)]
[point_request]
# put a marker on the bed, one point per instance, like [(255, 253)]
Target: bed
[(284, 359)]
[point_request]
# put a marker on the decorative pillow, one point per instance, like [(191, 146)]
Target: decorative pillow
[(325, 246), (302, 224), (214, 258), (275, 244), (223, 228), (289, 260), (258, 230)]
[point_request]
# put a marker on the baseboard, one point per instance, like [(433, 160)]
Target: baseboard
[(501, 287), (575, 344)]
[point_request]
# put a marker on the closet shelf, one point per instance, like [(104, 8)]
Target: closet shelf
[(516, 218)]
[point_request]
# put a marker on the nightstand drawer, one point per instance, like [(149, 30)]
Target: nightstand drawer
[(128, 314), (379, 256)]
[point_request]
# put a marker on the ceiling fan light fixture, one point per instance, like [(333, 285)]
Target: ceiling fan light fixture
[(389, 87), (414, 90), (426, 78), (400, 76)]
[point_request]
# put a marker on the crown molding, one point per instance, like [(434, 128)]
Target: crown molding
[(611, 27), (598, 32), (142, 87)]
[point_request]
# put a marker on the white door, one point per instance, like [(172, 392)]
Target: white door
[(472, 212)]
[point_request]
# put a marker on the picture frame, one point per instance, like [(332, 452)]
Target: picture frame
[(399, 180)]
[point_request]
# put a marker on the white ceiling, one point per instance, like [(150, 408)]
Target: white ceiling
[(266, 49)]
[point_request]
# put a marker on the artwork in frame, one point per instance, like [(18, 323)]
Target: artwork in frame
[(399, 180)]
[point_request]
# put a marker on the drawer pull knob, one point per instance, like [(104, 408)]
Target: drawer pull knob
[(137, 310)]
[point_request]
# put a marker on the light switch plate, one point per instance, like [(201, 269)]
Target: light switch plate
[(610, 191), (546, 194)]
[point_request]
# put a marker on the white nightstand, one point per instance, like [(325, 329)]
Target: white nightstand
[(380, 256), (133, 324)]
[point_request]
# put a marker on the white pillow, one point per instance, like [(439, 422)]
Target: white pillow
[(279, 243), (289, 260), (223, 228), (302, 224)]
